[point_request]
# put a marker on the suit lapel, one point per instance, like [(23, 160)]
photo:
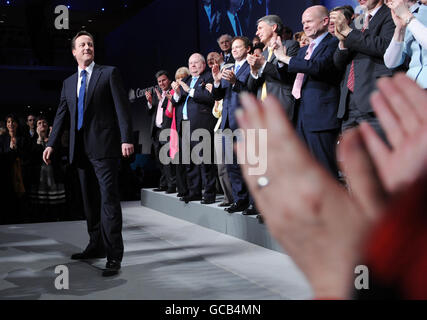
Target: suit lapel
[(378, 17), (92, 84), (320, 46), (72, 93), (242, 68)]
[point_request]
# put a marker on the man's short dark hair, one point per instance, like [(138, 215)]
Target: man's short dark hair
[(42, 117), (272, 20), (79, 34), (162, 73), (245, 40), (347, 11), (258, 46)]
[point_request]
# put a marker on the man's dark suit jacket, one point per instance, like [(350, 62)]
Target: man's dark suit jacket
[(320, 90), (106, 119), (199, 107), (279, 80), (367, 50), (230, 94)]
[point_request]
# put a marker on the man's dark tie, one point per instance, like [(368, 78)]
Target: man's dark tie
[(350, 80), (81, 101)]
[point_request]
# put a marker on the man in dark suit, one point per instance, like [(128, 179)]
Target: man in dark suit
[(268, 74), (228, 84), (360, 53), (209, 24), (234, 18), (194, 110), (316, 87), (224, 42), (96, 104), (157, 109)]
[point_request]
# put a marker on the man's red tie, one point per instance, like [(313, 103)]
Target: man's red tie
[(350, 80)]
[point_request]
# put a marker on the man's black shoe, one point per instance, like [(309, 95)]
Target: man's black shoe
[(237, 207), (160, 189), (187, 199), (180, 195), (111, 268), (171, 190), (207, 201), (250, 211), (225, 204), (86, 255)]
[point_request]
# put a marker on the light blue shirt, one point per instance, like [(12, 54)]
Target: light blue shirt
[(184, 109), (318, 40), (418, 65)]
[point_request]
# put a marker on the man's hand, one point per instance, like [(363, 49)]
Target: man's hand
[(209, 87), (184, 86), (176, 87), (216, 73), (127, 149), (149, 97), (255, 62), (280, 51), (341, 25), (47, 153), (159, 95), (229, 76)]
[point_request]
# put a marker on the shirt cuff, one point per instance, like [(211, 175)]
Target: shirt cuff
[(149, 105), (217, 85), (191, 93)]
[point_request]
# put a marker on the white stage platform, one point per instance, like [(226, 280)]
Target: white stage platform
[(165, 259)]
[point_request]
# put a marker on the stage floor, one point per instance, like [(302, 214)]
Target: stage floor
[(165, 259)]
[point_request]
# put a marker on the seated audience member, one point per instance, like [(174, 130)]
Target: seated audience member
[(31, 123), (47, 191), (347, 11), (14, 148), (329, 231), (405, 43)]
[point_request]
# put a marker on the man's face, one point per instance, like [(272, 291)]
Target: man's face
[(239, 50), (196, 65), (224, 44), (84, 51), (213, 57), (314, 24), (164, 82), (369, 4), (265, 32), (30, 121)]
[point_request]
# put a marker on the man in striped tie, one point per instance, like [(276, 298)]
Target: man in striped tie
[(360, 53)]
